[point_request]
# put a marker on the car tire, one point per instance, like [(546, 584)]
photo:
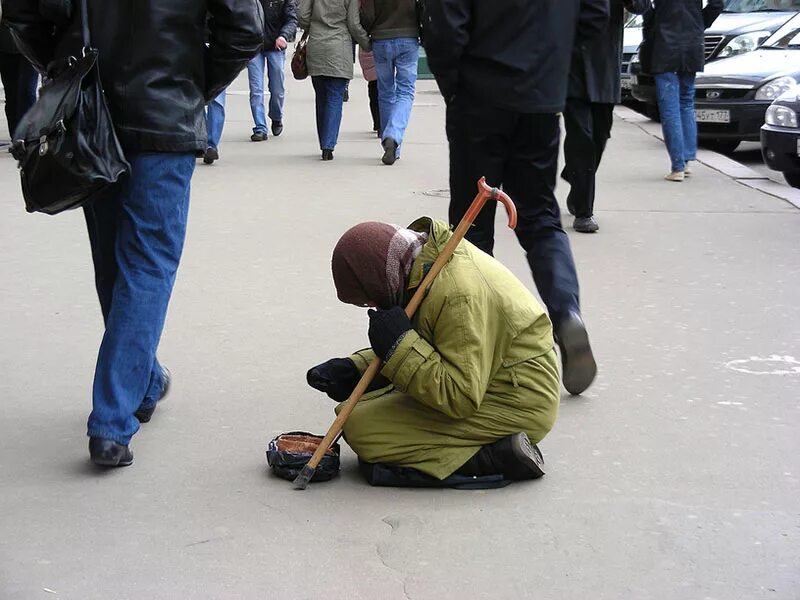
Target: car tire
[(792, 178), (721, 146), (651, 112)]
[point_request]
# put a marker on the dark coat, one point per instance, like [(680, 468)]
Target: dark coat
[(596, 63), (512, 54), (156, 70), (7, 45), (280, 20), (673, 35)]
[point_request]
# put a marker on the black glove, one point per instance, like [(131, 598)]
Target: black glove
[(386, 327), (336, 377)]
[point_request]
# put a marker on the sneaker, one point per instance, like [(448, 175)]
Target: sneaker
[(107, 453), (389, 151), (578, 367), (585, 225), (259, 136), (277, 128), (676, 176), (210, 156)]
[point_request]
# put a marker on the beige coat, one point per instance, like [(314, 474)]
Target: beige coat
[(333, 26)]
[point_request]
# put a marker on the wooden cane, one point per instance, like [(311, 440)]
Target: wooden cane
[(484, 193)]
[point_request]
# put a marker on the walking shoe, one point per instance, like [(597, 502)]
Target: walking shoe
[(210, 156), (578, 365), (259, 136), (327, 155), (390, 151), (585, 225), (676, 176), (144, 414), (277, 128), (514, 457), (107, 453)]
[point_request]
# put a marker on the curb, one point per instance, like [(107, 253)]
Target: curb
[(719, 162)]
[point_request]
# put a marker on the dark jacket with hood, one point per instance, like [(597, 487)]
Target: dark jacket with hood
[(510, 54), (673, 35), (596, 63), (390, 19), (156, 69), (280, 20)]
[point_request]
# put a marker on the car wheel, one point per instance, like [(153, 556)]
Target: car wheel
[(792, 178), (651, 111), (721, 146)]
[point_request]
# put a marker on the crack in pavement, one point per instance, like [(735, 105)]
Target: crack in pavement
[(394, 524)]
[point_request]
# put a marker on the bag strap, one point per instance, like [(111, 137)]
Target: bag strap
[(87, 42)]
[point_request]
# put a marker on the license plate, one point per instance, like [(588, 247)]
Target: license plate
[(703, 115), (626, 84), (634, 80)]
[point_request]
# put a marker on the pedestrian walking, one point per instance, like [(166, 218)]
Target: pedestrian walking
[(673, 52), (468, 385), (367, 61), (393, 26), (280, 28), (155, 89), (502, 67), (592, 92), (215, 124), (19, 79), (332, 27)]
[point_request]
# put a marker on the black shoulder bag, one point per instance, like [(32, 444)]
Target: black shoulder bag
[(67, 148)]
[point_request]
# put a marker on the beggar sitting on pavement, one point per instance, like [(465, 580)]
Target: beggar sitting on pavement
[(468, 386)]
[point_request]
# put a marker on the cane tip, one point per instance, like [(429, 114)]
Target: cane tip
[(302, 480)]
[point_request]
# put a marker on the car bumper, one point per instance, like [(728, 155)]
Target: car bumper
[(745, 124), (780, 147)]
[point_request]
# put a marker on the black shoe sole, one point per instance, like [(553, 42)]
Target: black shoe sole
[(578, 361), (389, 153), (107, 461), (528, 454)]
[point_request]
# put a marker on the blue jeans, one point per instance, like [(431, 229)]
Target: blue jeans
[(329, 100), (275, 60), (215, 120), (396, 66), (675, 93), (137, 237)]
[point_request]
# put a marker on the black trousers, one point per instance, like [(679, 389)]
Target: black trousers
[(374, 107), (588, 126), (19, 81), (519, 152)]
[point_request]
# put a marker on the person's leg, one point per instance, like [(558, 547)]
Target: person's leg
[(688, 119), (406, 56), (374, 108), (383, 53), (579, 155), (151, 228), (255, 78), (27, 79), (276, 74), (668, 92), (9, 74), (333, 110), (320, 98), (478, 136), (215, 117)]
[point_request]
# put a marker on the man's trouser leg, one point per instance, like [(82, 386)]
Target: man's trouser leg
[(255, 81), (479, 138), (580, 156), (406, 56), (215, 120), (530, 180), (276, 76), (144, 225), (383, 52)]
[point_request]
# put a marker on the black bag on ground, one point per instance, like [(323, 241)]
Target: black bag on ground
[(67, 148), (288, 453)]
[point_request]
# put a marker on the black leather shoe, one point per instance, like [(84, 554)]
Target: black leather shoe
[(145, 414), (585, 225), (389, 151), (259, 136), (514, 457), (210, 156), (578, 365), (109, 454), (277, 128), (327, 155)]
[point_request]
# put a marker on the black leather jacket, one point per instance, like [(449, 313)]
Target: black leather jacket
[(280, 20), (156, 68)]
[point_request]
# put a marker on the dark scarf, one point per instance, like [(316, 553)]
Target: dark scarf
[(372, 262)]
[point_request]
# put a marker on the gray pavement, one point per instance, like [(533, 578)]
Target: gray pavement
[(676, 475)]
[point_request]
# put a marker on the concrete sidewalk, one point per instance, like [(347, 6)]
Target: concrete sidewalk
[(676, 475)]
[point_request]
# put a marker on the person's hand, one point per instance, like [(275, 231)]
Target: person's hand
[(281, 43), (336, 377), (386, 328)]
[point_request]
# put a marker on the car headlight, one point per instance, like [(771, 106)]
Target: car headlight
[(775, 88), (747, 42), (781, 116)]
